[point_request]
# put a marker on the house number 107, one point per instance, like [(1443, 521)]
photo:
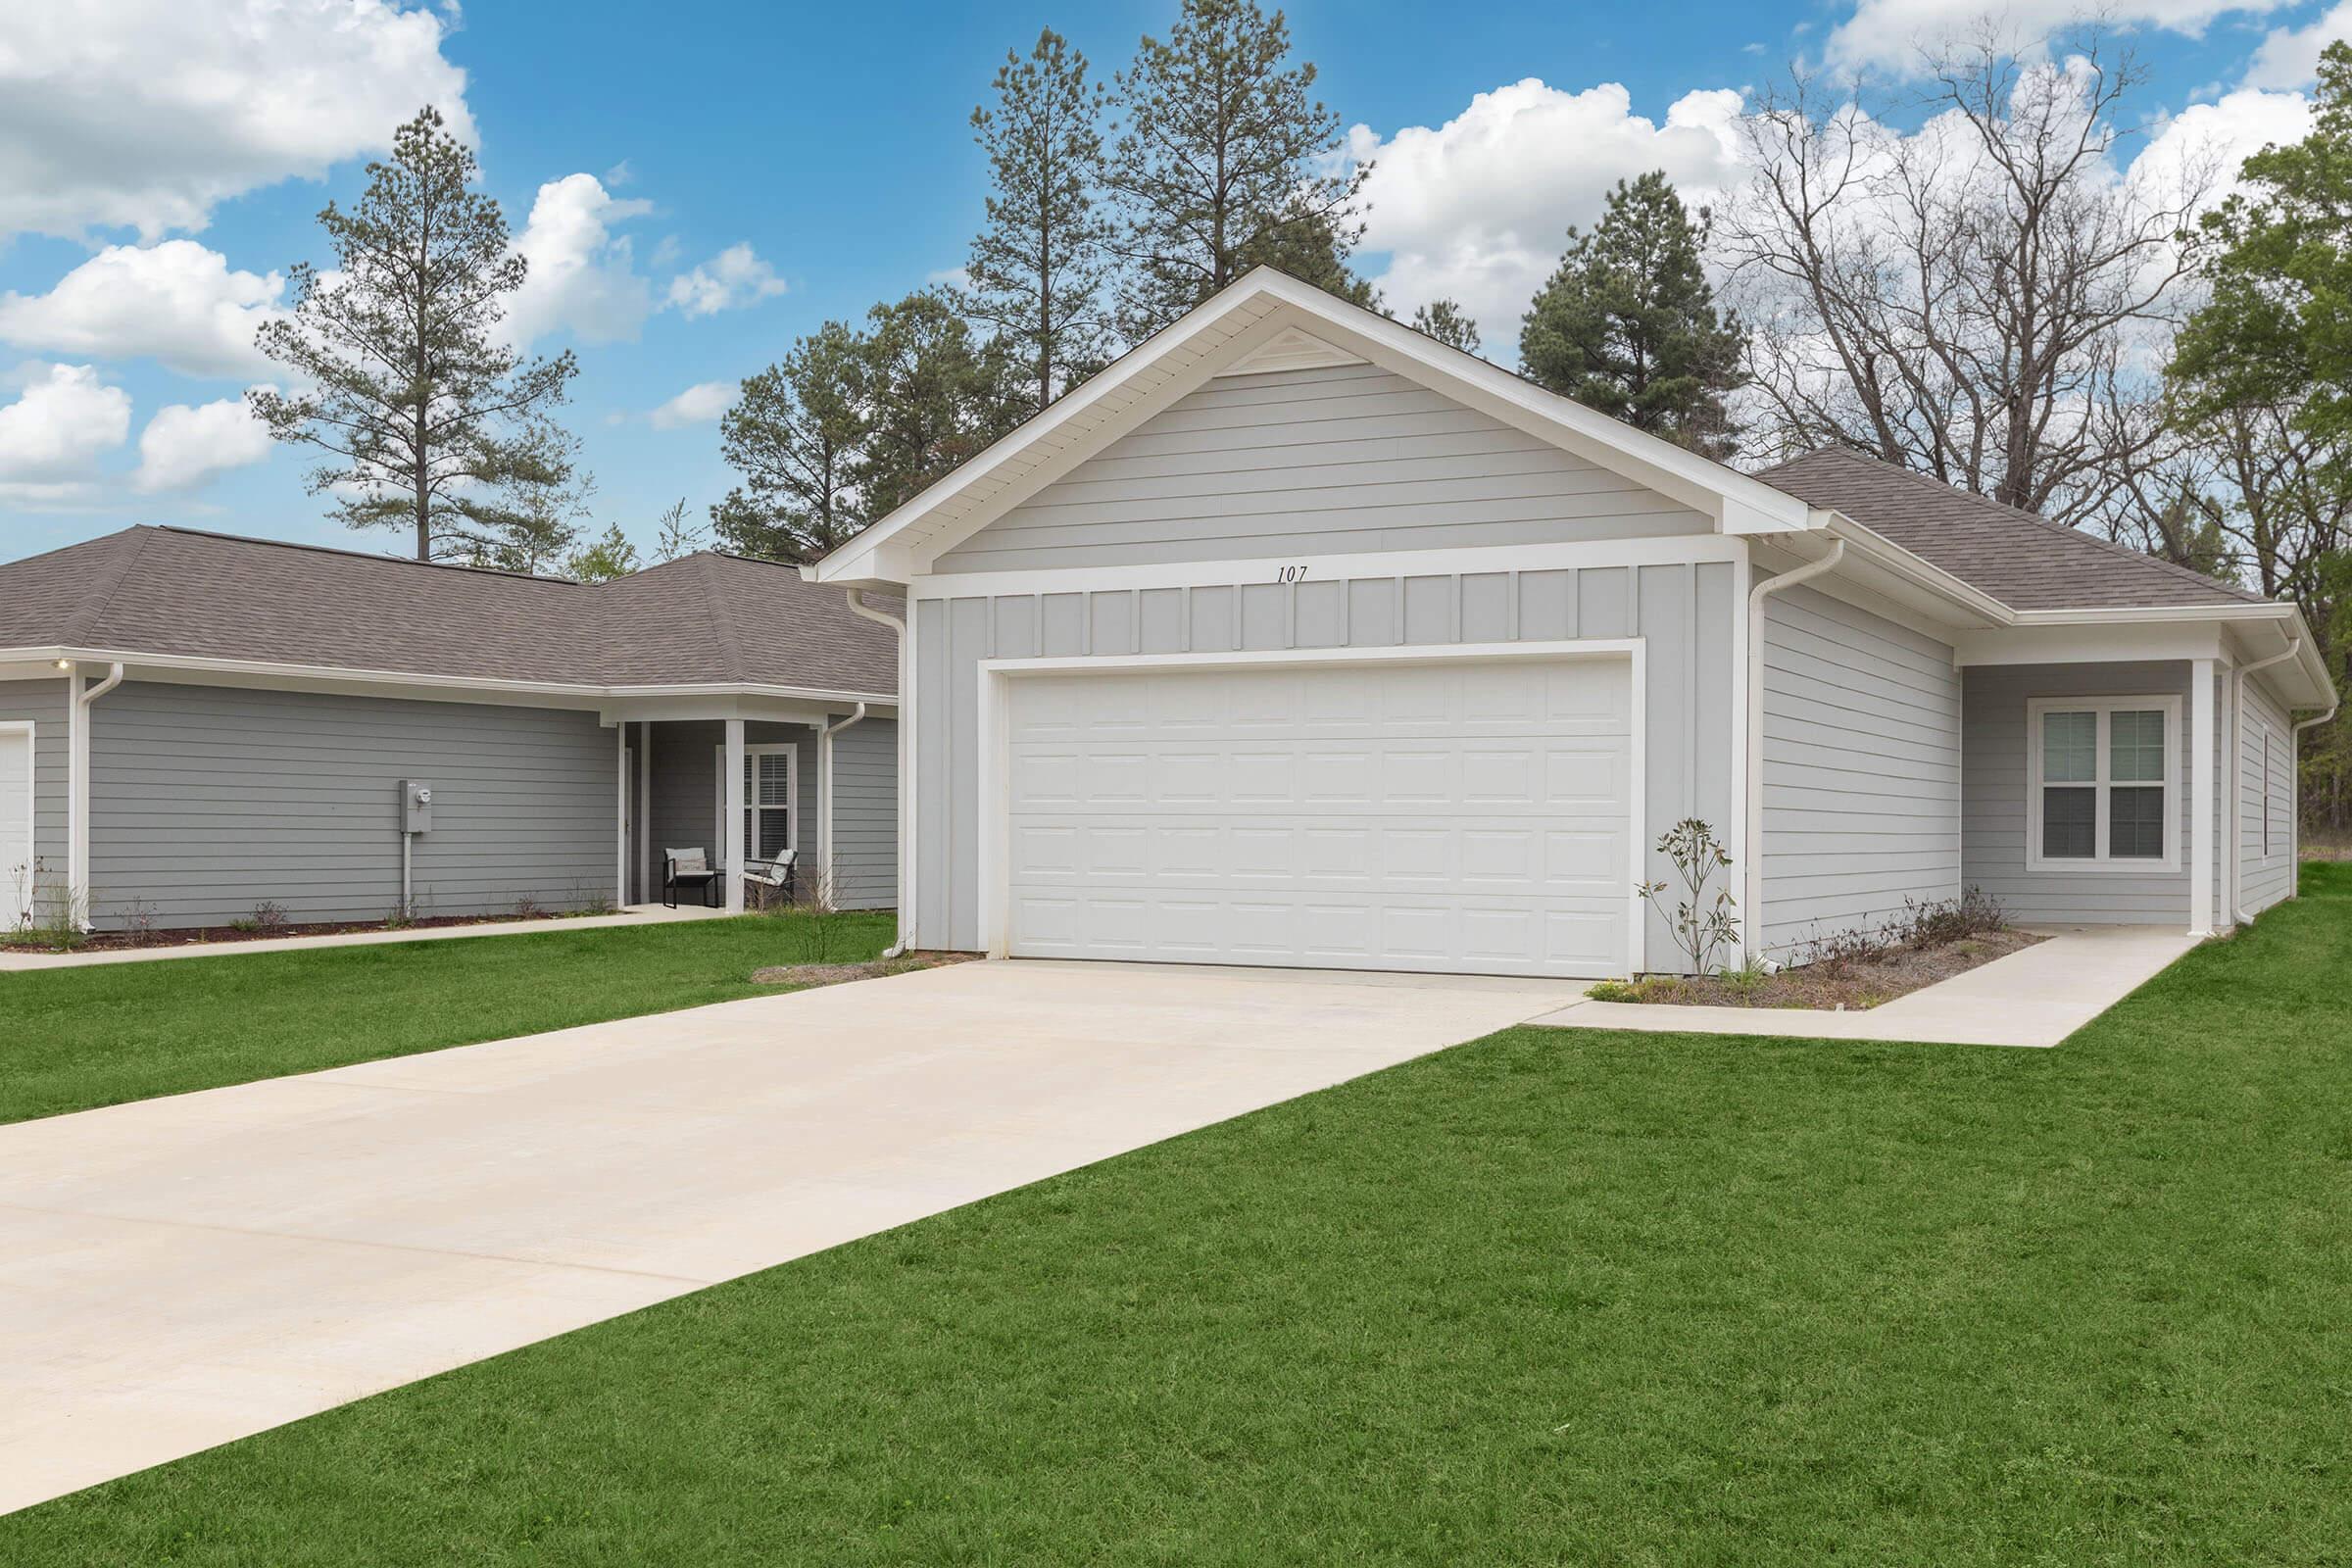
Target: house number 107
[(1289, 575)]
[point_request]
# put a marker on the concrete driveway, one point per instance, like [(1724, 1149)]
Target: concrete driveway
[(180, 1272)]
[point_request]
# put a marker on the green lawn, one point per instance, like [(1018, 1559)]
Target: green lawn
[(71, 1039), (1550, 1298)]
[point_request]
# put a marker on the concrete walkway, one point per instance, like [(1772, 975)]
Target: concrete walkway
[(180, 1272), (633, 914), (2036, 996)]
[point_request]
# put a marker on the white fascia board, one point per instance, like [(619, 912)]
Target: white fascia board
[(2083, 643), (2256, 629), (1863, 547)]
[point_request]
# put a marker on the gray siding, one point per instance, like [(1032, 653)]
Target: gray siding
[(1350, 458), (685, 806), (206, 800), (2265, 785), (42, 703), (1995, 761), (865, 816), (1861, 768), (1684, 613)]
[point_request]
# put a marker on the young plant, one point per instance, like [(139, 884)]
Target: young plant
[(270, 916), (1705, 917)]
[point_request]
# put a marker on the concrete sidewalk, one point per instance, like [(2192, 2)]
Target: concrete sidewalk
[(633, 914), (2036, 996), (180, 1272)]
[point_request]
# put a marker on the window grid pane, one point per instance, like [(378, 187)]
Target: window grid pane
[(2070, 748), (2070, 823), (2135, 747), (2136, 823)]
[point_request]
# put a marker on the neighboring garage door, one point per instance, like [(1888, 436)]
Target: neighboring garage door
[(16, 825), (1450, 815)]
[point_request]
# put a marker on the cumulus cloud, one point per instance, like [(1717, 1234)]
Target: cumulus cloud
[(178, 303), (145, 114), (2217, 136), (734, 277), (2289, 57), (583, 275), (183, 447), (1477, 209), (62, 420), (699, 404), (1891, 34)]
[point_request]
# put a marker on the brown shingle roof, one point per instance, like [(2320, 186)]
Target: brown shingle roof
[(2026, 562), (706, 619)]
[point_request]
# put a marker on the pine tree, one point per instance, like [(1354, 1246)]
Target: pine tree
[(1629, 325), (427, 420), (1449, 324), (1224, 160), (609, 557), (1037, 270), (797, 433), (674, 536), (934, 395)]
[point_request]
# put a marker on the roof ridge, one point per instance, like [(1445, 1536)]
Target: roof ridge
[(722, 619), (2064, 529), (107, 583), (385, 558)]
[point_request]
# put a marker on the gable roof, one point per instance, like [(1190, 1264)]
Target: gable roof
[(2022, 560), (703, 619)]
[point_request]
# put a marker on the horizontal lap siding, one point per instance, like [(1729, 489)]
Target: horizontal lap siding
[(1684, 613), (1861, 768), (41, 704), (1993, 822), (1347, 459), (206, 801), (865, 816), (2264, 879)]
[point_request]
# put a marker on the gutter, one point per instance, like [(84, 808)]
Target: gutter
[(824, 774), (1751, 925), (906, 780), (2238, 754)]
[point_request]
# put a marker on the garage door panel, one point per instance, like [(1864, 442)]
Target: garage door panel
[(1450, 817)]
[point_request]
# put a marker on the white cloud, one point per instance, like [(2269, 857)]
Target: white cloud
[(1477, 210), (2289, 57), (1890, 34), (2219, 136), (582, 274), (734, 277), (52, 437), (699, 404), (144, 114), (183, 447), (176, 302)]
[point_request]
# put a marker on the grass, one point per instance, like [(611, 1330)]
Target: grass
[(71, 1039), (1550, 1298)]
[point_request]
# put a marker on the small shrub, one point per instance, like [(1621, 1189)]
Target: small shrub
[(398, 918), (1837, 951), (54, 913), (269, 916), (1746, 980), (245, 924), (527, 908), (1942, 921), (1614, 990), (138, 918), (587, 901), (1702, 921)]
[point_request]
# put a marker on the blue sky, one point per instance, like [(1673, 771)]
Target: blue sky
[(153, 193)]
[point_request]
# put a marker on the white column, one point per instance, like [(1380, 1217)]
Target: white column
[(77, 797), (624, 822), (732, 794), (2201, 804), (645, 888)]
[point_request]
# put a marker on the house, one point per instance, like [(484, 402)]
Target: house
[(193, 724), (1297, 638)]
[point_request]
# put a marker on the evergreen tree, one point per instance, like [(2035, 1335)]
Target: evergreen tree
[(1037, 270), (1447, 321), (797, 433), (934, 395), (1629, 323), (609, 557), (1224, 160), (426, 421), (674, 536)]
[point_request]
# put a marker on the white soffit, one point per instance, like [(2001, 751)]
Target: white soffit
[(1290, 350)]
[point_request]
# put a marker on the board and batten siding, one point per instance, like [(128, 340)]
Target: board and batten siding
[(1341, 460), (206, 801), (1995, 765), (1861, 770), (42, 704), (1685, 613), (2266, 786)]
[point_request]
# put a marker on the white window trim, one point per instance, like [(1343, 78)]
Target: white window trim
[(790, 751), (2099, 863), (32, 802)]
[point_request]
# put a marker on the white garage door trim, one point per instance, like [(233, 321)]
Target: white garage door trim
[(995, 676), (15, 899)]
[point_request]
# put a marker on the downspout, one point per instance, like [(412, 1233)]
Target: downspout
[(824, 783), (2238, 767), (2295, 762), (1753, 927), (77, 787), (906, 780)]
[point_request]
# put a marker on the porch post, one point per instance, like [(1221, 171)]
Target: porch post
[(732, 793), (2201, 797)]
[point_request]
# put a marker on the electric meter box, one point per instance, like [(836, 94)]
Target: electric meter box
[(416, 806)]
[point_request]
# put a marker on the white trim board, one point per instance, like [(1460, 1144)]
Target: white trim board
[(992, 867), (32, 795)]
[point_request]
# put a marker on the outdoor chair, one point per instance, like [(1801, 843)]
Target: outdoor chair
[(689, 869), (770, 881)]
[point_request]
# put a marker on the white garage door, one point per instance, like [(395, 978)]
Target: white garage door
[(1450, 815), (16, 825)]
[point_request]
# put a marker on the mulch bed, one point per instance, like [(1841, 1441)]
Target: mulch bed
[(828, 974), (1849, 986), (190, 936)]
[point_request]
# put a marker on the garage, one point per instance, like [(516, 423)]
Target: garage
[(1466, 812)]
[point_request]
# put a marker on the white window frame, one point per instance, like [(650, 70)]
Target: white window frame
[(790, 751), (2100, 861)]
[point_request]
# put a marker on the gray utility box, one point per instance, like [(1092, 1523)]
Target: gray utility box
[(416, 806)]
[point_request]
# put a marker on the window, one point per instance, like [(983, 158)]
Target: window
[(771, 798), (2104, 777)]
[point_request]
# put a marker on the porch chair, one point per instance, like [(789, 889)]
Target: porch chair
[(688, 868), (771, 880)]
